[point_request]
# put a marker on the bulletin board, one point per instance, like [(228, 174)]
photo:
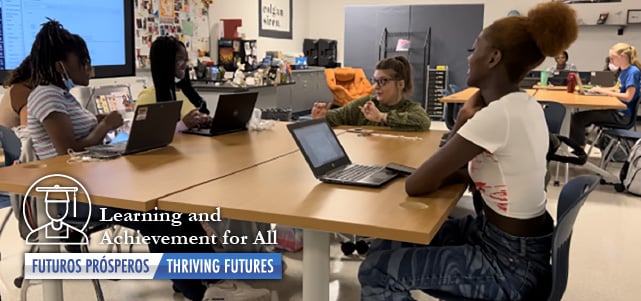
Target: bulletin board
[(187, 20)]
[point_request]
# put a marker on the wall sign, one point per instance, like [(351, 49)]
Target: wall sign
[(275, 18), (634, 16)]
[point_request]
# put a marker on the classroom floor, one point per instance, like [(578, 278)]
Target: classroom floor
[(604, 261)]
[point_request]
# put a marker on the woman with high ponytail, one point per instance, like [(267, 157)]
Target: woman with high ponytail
[(503, 253), (625, 57)]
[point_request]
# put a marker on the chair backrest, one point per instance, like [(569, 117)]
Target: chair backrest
[(554, 113), (451, 109), (571, 199), (11, 145), (347, 84)]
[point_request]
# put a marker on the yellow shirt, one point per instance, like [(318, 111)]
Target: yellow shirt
[(148, 96)]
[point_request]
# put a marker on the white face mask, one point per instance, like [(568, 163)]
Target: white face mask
[(612, 67)]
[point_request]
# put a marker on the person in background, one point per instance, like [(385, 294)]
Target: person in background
[(13, 106), (562, 64), (609, 66), (57, 122), (389, 106), (504, 252), (625, 58), (168, 59)]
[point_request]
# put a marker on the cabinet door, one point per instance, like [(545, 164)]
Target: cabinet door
[(302, 92)]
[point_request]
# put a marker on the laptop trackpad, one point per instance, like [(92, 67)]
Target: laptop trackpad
[(382, 175)]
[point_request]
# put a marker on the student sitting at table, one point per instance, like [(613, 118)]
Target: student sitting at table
[(13, 106), (389, 106), (57, 123), (504, 252), (623, 56), (561, 64), (171, 82), (168, 59)]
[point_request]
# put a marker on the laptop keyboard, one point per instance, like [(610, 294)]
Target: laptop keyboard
[(354, 172)]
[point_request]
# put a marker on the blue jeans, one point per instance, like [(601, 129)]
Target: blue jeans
[(468, 257)]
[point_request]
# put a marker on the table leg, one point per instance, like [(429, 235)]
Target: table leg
[(51, 289), (315, 265)]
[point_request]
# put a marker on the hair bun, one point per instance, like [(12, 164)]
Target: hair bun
[(553, 27)]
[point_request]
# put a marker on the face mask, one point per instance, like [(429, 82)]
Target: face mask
[(66, 79), (612, 67), (177, 80)]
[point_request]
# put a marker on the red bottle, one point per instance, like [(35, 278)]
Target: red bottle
[(571, 82)]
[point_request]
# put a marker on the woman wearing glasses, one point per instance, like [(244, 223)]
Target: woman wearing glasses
[(389, 106)]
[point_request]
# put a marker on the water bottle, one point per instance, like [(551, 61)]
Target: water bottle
[(571, 82)]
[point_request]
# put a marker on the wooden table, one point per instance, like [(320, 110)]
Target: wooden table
[(574, 100), (137, 181), (285, 191), (462, 96)]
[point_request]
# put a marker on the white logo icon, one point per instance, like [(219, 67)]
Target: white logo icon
[(62, 223)]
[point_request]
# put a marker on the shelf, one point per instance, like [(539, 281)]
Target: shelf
[(620, 27)]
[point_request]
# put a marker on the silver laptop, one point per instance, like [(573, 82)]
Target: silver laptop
[(327, 158), (153, 126), (602, 78)]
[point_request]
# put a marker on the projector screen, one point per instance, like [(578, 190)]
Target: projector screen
[(106, 26)]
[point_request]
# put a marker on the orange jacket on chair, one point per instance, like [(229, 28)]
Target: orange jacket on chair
[(347, 84)]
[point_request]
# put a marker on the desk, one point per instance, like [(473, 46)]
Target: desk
[(574, 100), (285, 191), (462, 96), (136, 181)]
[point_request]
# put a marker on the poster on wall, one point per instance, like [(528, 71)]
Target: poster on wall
[(275, 18), (187, 20), (166, 12)]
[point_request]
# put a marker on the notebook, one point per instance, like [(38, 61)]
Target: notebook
[(232, 114), (328, 160), (602, 78), (153, 126)]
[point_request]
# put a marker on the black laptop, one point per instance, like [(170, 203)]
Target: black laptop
[(328, 160), (603, 79), (232, 114), (153, 126)]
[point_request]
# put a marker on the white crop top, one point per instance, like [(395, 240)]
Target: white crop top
[(510, 174)]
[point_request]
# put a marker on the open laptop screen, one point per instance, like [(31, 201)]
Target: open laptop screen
[(319, 144)]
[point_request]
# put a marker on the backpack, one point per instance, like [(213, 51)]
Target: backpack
[(631, 171)]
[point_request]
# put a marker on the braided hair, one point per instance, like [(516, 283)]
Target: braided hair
[(52, 44), (162, 56)]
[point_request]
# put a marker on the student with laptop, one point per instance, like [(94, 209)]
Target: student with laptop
[(57, 122), (562, 64), (625, 57), (504, 252), (168, 58), (389, 106)]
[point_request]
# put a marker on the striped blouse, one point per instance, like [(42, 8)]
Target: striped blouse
[(45, 100)]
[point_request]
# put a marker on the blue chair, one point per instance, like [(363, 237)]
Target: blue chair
[(450, 111), (572, 197), (12, 147), (554, 114), (603, 127)]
